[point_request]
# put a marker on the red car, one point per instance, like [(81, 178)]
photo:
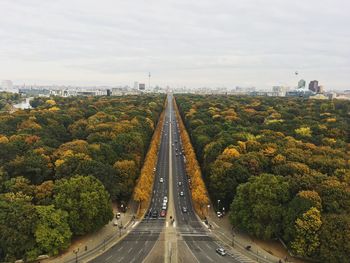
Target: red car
[(163, 213)]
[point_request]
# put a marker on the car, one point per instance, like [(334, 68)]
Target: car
[(184, 209), (155, 214), (180, 183), (163, 213), (115, 223), (164, 207), (219, 214), (173, 144), (175, 141), (176, 154), (221, 251), (154, 169), (164, 203), (117, 215), (161, 180), (181, 193), (165, 199)]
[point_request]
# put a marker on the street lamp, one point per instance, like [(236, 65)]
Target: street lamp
[(76, 251), (208, 206)]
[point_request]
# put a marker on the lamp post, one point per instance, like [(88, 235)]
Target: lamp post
[(208, 206), (76, 251)]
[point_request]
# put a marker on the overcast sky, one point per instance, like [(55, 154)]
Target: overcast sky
[(191, 43)]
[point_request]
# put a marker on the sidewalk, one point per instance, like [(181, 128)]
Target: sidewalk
[(91, 245), (262, 251)]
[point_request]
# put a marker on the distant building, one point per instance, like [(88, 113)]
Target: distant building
[(304, 93), (320, 89), (301, 84), (279, 90), (109, 93), (142, 86), (313, 86)]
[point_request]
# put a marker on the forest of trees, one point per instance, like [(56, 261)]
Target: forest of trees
[(7, 99), (281, 165), (63, 162)]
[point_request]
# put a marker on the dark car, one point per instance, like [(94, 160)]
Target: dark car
[(155, 214)]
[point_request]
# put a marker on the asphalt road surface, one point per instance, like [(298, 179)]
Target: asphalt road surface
[(195, 241)]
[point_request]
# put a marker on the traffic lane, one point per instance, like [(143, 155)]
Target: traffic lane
[(205, 251)]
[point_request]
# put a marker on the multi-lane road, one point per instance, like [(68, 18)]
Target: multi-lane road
[(179, 236)]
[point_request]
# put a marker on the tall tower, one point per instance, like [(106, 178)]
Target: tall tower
[(149, 80)]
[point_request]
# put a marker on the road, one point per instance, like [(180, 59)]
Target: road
[(159, 239)]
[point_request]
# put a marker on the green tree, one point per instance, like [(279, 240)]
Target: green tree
[(335, 238), (52, 232), (18, 219), (86, 201), (258, 205)]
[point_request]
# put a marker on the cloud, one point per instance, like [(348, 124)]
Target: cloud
[(228, 42)]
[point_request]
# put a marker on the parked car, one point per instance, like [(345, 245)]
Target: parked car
[(115, 223), (117, 215), (184, 209), (161, 180), (165, 199), (180, 183), (181, 193), (219, 214), (221, 251)]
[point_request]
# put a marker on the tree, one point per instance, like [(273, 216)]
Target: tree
[(126, 173), (18, 218), (52, 232), (335, 238), (258, 205), (86, 201), (307, 239)]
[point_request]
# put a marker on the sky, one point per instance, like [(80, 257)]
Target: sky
[(189, 43)]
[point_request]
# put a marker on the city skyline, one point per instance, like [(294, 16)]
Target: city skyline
[(182, 43)]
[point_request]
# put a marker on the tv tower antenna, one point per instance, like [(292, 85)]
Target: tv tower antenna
[(149, 80)]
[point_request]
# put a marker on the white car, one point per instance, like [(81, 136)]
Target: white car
[(165, 199), (115, 223), (161, 180), (219, 214), (221, 251), (164, 207)]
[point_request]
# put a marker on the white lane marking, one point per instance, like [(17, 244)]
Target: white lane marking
[(209, 258), (121, 259), (130, 250), (120, 248), (108, 258)]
